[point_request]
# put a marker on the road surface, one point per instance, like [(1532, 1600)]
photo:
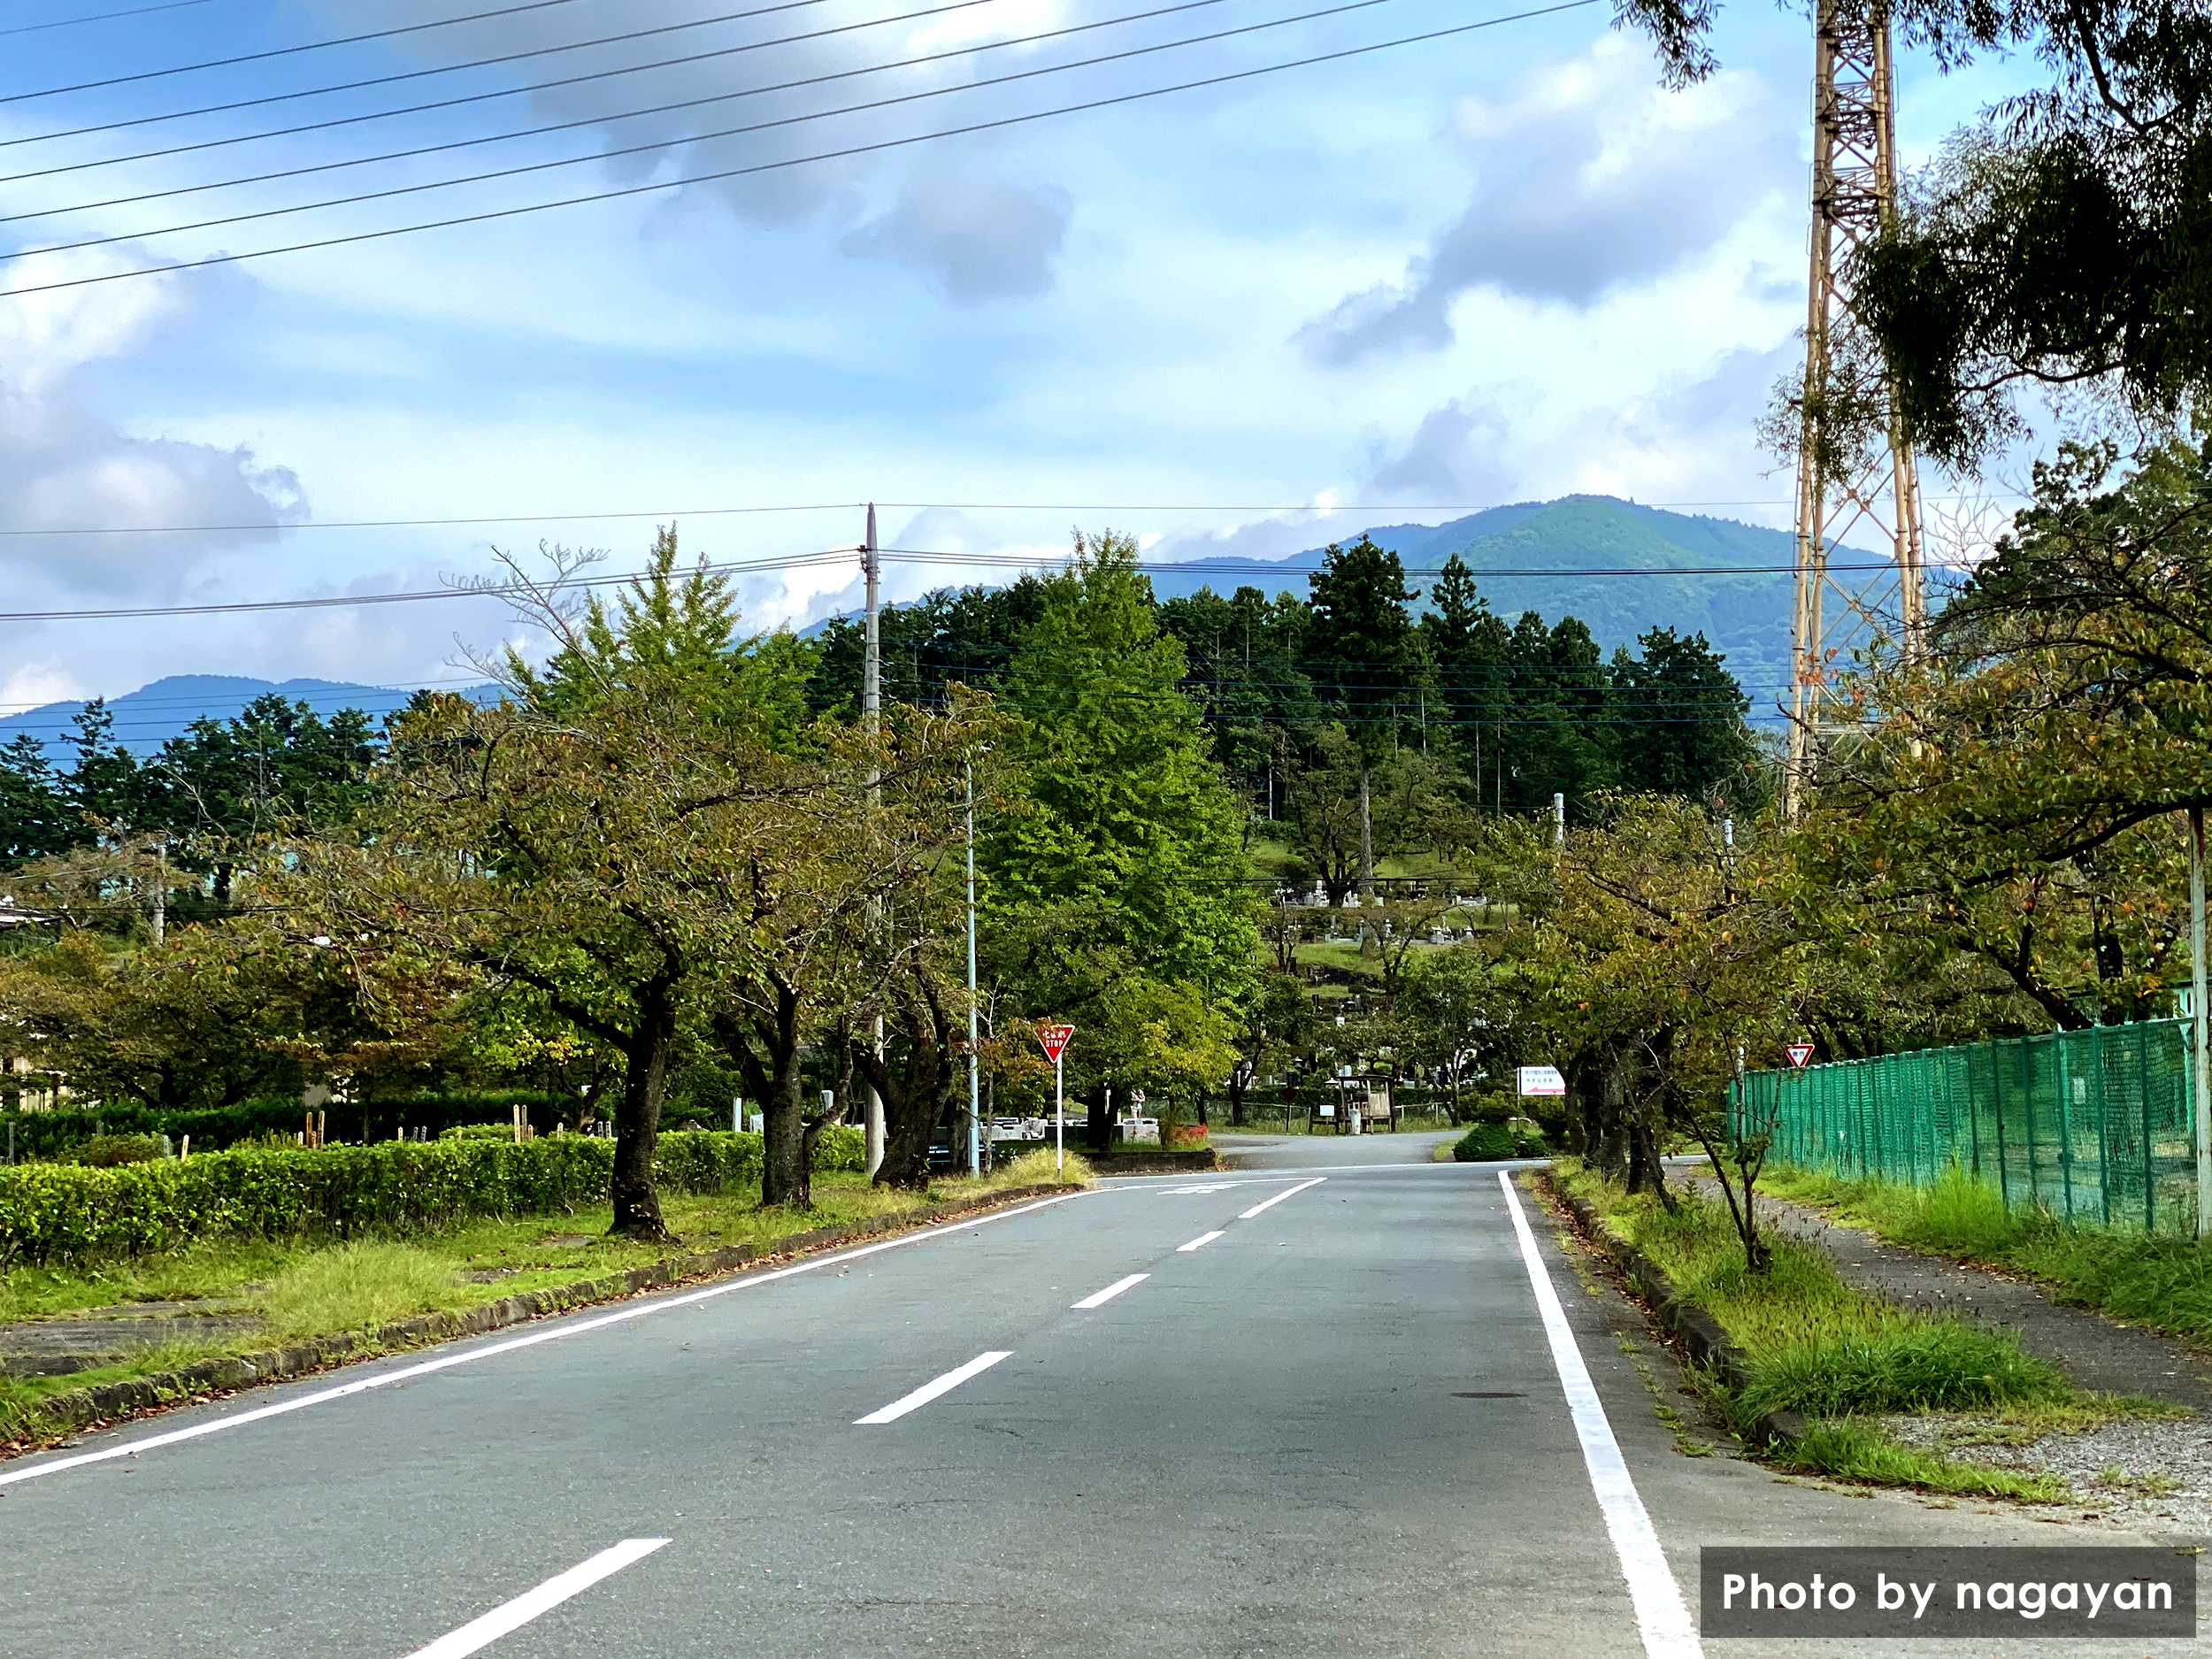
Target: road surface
[(1304, 1412)]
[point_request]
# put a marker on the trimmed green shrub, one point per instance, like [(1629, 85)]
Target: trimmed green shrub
[(50, 1134), (104, 1152), (1488, 1143), (54, 1213), (478, 1131)]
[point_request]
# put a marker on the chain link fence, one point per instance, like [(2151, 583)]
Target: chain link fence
[(2090, 1125)]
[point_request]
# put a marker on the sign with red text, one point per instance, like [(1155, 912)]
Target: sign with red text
[(1799, 1053)]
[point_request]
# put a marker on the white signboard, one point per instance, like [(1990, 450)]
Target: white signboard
[(1539, 1079)]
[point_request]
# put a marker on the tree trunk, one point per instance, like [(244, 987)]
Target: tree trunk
[(1098, 1129), (916, 1096), (764, 1044), (637, 1117), (1366, 845)]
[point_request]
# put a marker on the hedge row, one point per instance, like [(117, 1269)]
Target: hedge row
[(49, 1134), (62, 1213)]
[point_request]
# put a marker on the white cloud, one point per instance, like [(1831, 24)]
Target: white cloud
[(1590, 177), (65, 467)]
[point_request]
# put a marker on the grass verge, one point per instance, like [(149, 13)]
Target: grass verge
[(310, 1289), (1812, 1344), (2163, 1284)]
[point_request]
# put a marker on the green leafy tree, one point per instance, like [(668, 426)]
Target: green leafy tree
[(1116, 880)]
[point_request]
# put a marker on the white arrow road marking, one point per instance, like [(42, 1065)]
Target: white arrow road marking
[(1099, 1298), (1660, 1614), (929, 1391), (1200, 1243), (1292, 1192), (512, 1615)]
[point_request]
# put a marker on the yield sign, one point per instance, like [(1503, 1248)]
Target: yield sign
[(1799, 1053), (1055, 1038)]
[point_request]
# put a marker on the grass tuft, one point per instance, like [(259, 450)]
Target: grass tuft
[(354, 1286), (1855, 1451), (1909, 1367), (1031, 1169)]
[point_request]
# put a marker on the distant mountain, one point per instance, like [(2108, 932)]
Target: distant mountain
[(1727, 580), (148, 717), (1553, 557)]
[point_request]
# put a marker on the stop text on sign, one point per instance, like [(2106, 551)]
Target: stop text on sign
[(1054, 1040)]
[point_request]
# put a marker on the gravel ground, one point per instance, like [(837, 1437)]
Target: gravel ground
[(2145, 1474)]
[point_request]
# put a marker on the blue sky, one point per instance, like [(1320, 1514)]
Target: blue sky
[(1504, 266)]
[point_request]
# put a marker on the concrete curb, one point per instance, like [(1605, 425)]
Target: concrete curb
[(1699, 1333), (65, 1413), (1186, 1161)]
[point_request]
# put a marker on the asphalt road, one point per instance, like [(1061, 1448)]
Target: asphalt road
[(1335, 1428)]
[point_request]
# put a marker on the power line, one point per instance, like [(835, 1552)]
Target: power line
[(658, 144), (877, 147), (487, 590), (99, 16), (628, 115), (283, 51), (410, 74)]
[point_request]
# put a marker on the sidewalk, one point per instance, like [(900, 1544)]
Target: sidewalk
[(2096, 1352), (2133, 1471)]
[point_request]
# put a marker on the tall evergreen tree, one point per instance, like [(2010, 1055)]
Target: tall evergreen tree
[(1680, 719), (35, 819), (1365, 644)]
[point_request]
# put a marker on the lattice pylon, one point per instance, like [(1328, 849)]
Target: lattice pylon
[(1855, 468)]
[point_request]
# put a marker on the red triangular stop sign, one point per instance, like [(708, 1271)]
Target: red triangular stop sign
[(1799, 1053), (1054, 1038)]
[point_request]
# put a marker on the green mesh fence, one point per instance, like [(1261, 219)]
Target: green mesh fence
[(2092, 1125)]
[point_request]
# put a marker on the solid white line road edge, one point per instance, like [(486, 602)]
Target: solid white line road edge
[(1099, 1298), (930, 1390), (1660, 1614), (11, 1474), (1200, 1243), (1278, 1197), (511, 1616)]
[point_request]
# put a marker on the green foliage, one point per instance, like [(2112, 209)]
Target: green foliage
[(104, 1152), (478, 1131), (1119, 878), (1492, 1142), (65, 1213), (1366, 642), (53, 1133)]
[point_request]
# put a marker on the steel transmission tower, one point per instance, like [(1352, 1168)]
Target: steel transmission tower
[(1855, 474)]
